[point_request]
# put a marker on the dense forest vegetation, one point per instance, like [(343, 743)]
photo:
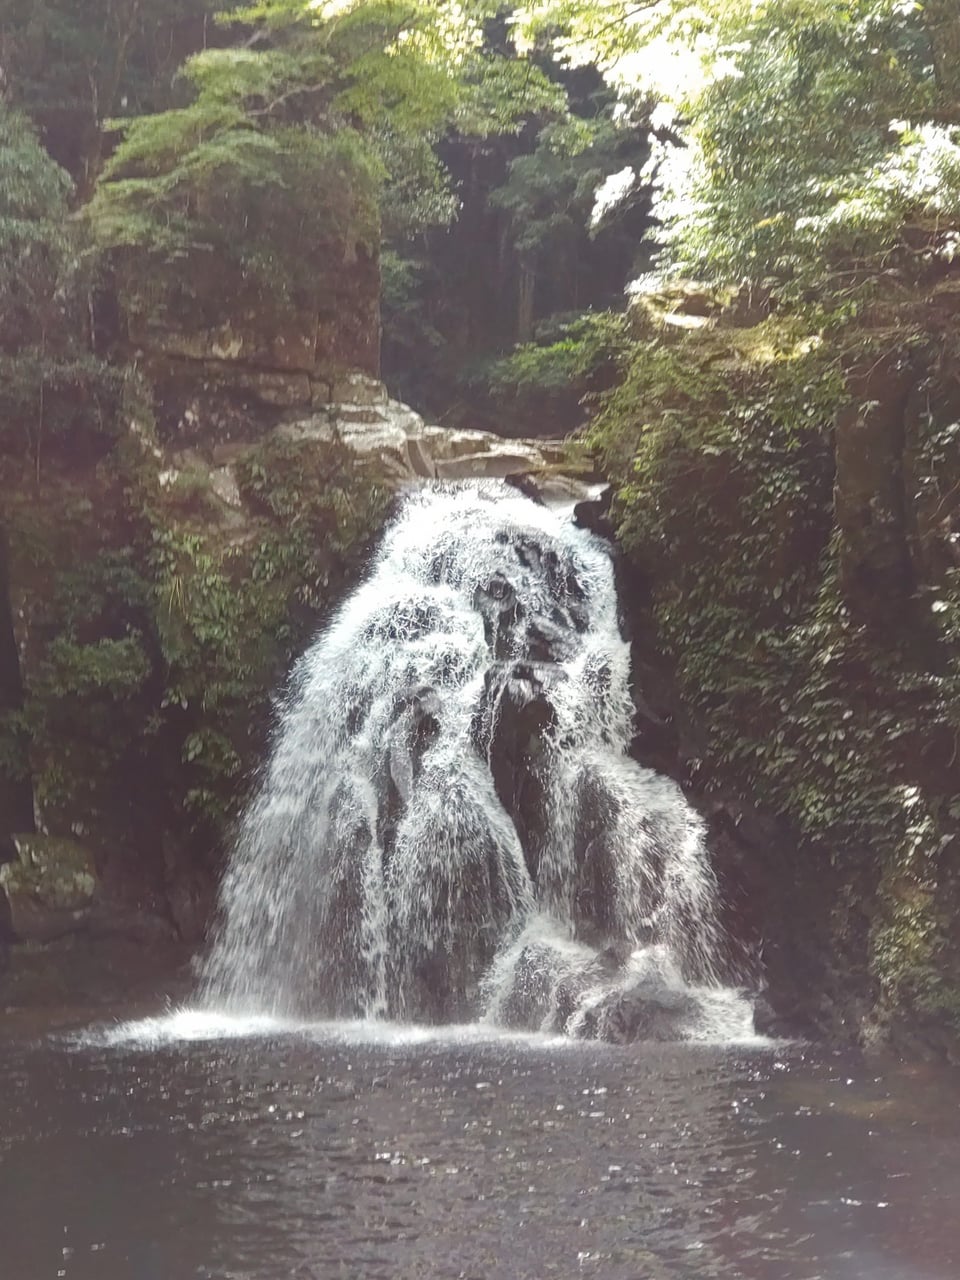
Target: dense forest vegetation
[(716, 240)]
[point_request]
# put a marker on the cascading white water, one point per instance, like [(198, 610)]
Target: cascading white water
[(450, 826)]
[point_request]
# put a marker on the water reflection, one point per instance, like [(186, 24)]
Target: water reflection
[(317, 1155)]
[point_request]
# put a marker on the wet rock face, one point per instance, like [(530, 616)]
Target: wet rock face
[(598, 996), (516, 719), (517, 704), (530, 635), (542, 996), (650, 1010), (496, 601), (190, 893), (415, 727), (450, 825), (52, 890), (594, 514), (596, 862), (768, 1022)]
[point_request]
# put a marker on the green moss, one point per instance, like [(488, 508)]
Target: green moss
[(233, 604), (160, 622), (723, 453), (56, 873)]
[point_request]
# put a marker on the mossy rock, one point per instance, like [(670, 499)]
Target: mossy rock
[(50, 887)]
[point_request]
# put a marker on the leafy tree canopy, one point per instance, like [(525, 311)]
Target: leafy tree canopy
[(820, 138), (314, 120), (46, 376), (72, 64)]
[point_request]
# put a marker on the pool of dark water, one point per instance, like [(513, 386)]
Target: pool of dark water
[(301, 1154)]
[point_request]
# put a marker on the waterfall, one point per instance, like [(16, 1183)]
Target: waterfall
[(449, 826)]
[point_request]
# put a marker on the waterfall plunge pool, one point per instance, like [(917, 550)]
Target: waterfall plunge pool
[(196, 1147)]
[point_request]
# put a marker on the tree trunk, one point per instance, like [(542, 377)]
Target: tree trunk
[(105, 95), (525, 304)]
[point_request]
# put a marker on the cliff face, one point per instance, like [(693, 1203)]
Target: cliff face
[(199, 323), (157, 579), (789, 507)]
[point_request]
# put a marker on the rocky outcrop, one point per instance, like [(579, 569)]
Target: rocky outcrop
[(50, 888), (649, 1009), (63, 942), (409, 449), (157, 599), (791, 591), (602, 997), (518, 715), (209, 424), (200, 316), (168, 563)]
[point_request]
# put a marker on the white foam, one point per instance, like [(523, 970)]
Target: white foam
[(726, 1018), (191, 1025)]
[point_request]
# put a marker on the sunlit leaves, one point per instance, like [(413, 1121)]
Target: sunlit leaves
[(792, 165), (375, 84)]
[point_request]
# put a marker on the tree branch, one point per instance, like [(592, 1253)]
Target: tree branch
[(624, 18)]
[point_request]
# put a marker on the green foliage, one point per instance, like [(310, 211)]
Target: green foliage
[(299, 139), (721, 441), (819, 142), (73, 65), (240, 173), (229, 619), (34, 192), (83, 710), (549, 228), (799, 168), (158, 637), (33, 242), (810, 150), (116, 667), (264, 202), (728, 503), (549, 195), (550, 378), (326, 505), (48, 380)]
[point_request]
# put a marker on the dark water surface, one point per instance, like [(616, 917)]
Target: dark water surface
[(314, 1154)]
